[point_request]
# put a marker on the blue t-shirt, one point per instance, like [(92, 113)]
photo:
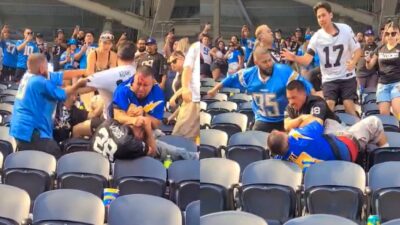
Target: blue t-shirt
[(307, 145), (30, 48), (234, 57), (72, 64), (9, 53), (34, 105), (83, 59), (248, 44), (269, 98), (153, 104)]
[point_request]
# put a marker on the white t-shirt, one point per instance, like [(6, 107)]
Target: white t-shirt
[(192, 60), (107, 81), (205, 53), (334, 52)]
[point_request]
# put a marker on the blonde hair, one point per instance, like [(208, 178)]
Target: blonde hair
[(260, 29), (183, 45), (35, 61)]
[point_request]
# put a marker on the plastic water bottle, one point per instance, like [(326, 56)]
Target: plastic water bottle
[(374, 220), (167, 162)]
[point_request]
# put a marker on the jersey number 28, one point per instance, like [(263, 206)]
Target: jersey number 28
[(104, 145)]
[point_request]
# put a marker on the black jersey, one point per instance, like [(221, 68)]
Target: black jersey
[(389, 64), (315, 106), (157, 62)]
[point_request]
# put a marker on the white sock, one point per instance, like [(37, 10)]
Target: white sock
[(385, 145)]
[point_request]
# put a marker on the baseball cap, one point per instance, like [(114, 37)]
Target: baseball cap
[(60, 31), (39, 35), (369, 32), (72, 42), (278, 30), (151, 41), (298, 29)]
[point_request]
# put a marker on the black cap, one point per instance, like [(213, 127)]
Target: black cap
[(278, 30), (60, 31), (298, 29), (39, 35)]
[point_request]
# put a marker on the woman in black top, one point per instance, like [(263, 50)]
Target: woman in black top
[(388, 58)]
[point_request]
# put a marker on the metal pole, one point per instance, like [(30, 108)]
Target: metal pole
[(216, 18)]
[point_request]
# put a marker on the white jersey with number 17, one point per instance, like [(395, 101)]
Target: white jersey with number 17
[(334, 51)]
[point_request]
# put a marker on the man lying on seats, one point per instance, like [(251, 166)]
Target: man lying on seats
[(308, 144), (138, 108), (36, 99)]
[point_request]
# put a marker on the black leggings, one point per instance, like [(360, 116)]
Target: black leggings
[(268, 127)]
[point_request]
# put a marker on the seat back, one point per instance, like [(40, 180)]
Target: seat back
[(32, 171), (67, 205), (211, 143), (271, 181), (205, 120), (216, 108), (86, 171), (76, 145), (348, 119), (231, 123), (384, 182), (381, 155), (179, 141), (392, 222), (143, 175), (7, 143), (14, 205), (390, 123), (192, 213), (393, 139), (143, 209), (240, 98), (184, 179), (217, 176), (319, 220), (231, 218), (332, 183)]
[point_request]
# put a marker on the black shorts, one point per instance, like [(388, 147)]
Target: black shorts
[(7, 73), (268, 127), (343, 89), (95, 123), (19, 72)]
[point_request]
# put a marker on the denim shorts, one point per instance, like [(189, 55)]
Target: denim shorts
[(387, 92)]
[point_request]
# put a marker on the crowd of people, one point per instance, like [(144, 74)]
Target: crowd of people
[(304, 77), (112, 92)]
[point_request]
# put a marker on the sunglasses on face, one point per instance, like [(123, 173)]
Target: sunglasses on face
[(393, 34)]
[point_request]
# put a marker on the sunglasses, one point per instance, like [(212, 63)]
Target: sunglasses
[(173, 61), (107, 37), (393, 34)]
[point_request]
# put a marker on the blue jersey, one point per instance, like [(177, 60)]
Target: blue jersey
[(248, 44), (307, 145), (34, 105), (71, 64), (269, 97), (153, 104), (234, 57), (9, 53), (30, 48), (83, 59)]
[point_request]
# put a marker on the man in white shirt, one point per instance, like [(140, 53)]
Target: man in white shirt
[(339, 53), (106, 82), (188, 120)]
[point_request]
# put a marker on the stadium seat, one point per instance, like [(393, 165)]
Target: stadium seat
[(348, 119), (203, 106), (143, 209), (192, 213), (370, 109), (386, 154), (204, 90), (68, 206), (369, 90), (3, 87), (216, 108), (231, 218), (330, 184), (166, 129), (218, 177), (339, 109), (212, 142), (184, 182), (85, 171), (8, 99), (143, 175), (247, 147), (390, 123), (240, 98), (219, 97), (205, 120), (7, 143), (229, 91), (75, 145), (32, 171), (392, 222), (14, 205), (5, 111), (231, 123), (320, 219), (179, 141), (369, 98), (207, 82), (274, 181), (384, 182), (393, 138), (9, 92), (246, 108)]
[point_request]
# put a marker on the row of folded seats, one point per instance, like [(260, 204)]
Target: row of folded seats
[(69, 206), (276, 190)]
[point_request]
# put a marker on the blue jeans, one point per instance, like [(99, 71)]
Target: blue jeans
[(176, 153)]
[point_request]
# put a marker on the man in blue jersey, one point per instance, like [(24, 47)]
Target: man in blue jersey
[(25, 48), (247, 42), (266, 82), (307, 144), (139, 96), (36, 99), (9, 54), (83, 52)]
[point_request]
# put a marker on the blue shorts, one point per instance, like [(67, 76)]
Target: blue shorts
[(387, 92)]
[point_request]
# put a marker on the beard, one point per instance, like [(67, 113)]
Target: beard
[(266, 72), (142, 49)]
